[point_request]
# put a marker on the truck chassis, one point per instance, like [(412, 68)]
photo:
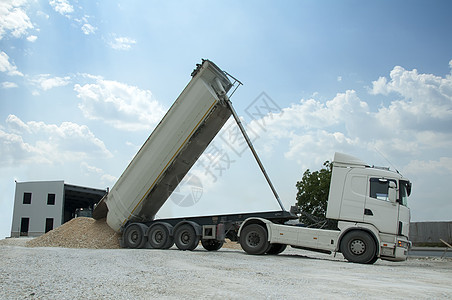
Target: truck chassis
[(186, 233)]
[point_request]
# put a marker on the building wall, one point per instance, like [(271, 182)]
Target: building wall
[(38, 210), (430, 233)]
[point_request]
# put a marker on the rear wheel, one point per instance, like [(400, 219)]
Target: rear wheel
[(159, 237), (275, 249), (186, 238), (212, 245), (254, 239), (359, 247), (134, 236)]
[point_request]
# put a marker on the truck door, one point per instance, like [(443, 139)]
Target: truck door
[(404, 211), (378, 210)]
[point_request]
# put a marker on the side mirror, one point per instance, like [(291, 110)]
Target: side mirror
[(392, 192)]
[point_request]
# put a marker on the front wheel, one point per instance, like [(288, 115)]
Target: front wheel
[(359, 247), (254, 239), (276, 249)]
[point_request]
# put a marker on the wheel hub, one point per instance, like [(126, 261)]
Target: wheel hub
[(158, 237), (357, 247), (253, 239), (185, 238)]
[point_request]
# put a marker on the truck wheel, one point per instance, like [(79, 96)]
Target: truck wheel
[(359, 247), (159, 237), (186, 238), (373, 260), (275, 249), (254, 239), (134, 236), (212, 245)]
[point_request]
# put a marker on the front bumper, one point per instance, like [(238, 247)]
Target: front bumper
[(397, 251)]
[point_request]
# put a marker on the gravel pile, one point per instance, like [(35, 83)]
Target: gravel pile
[(79, 233)]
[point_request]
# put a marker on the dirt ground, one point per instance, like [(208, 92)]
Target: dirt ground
[(68, 273)]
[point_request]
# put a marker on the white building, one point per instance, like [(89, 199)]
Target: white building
[(44, 205)]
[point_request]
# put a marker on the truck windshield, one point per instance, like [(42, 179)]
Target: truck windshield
[(405, 191)]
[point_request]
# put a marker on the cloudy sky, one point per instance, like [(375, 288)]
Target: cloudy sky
[(83, 83)]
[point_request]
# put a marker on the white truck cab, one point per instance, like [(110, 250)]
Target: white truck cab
[(370, 204)]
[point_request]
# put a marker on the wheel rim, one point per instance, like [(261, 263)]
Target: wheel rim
[(134, 237), (357, 247), (185, 237), (158, 237), (253, 239)]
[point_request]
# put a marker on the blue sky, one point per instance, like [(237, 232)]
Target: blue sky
[(83, 83)]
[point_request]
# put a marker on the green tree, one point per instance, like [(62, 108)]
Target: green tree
[(312, 197)]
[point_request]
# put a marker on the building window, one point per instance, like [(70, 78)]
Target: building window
[(50, 199), (27, 198), (49, 224), (24, 224)]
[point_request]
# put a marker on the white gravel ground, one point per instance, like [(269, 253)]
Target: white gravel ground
[(62, 273)]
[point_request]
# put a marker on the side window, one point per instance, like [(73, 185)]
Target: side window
[(379, 188), (27, 198)]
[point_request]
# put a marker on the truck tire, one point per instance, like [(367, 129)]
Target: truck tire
[(186, 238), (134, 236), (254, 239), (275, 249), (359, 247), (159, 237), (212, 245)]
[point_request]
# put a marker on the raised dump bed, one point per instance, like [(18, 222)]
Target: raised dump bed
[(170, 151)]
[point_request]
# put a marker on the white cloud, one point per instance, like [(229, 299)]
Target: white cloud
[(74, 14), (42, 14), (37, 142), (122, 43), (120, 105), (45, 82), (9, 85), (442, 166), (109, 179), (62, 6), (417, 121), (88, 29), (89, 170), (426, 103), (7, 67), (318, 144), (32, 38), (14, 19)]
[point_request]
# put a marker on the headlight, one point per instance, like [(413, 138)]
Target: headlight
[(403, 244)]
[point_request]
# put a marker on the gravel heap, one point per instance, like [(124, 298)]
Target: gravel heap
[(79, 233)]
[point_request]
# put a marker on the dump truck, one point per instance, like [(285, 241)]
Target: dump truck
[(369, 203)]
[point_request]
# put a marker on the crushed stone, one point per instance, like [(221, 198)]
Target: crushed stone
[(80, 232)]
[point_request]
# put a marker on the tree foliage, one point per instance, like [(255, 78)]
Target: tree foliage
[(312, 196)]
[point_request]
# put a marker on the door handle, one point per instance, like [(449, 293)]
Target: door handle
[(368, 212)]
